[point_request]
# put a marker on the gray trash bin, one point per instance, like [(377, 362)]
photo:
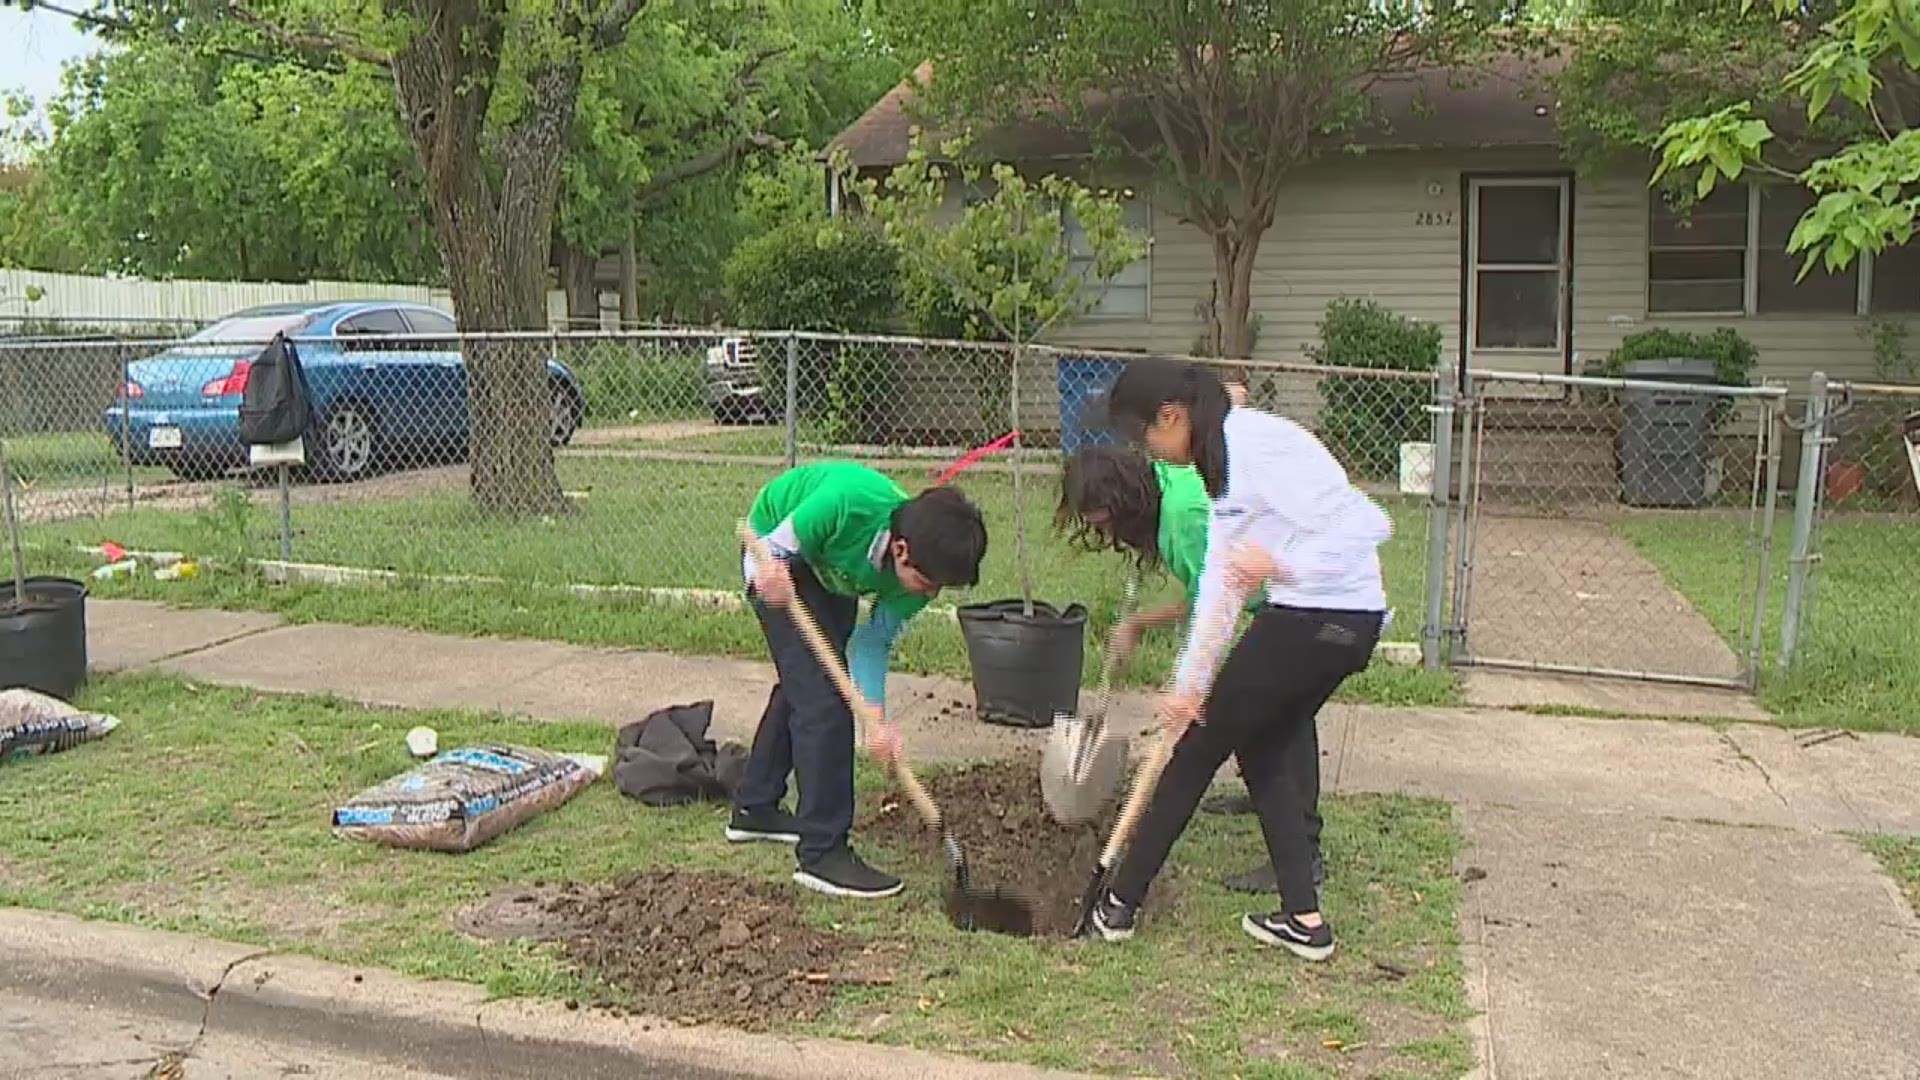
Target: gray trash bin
[(1667, 439)]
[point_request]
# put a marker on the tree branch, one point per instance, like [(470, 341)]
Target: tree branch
[(309, 41), (612, 26), (705, 163)]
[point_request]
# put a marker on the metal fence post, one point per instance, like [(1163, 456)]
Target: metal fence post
[(1768, 472), (793, 399), (1433, 631), (126, 424), (1466, 405), (1806, 499)]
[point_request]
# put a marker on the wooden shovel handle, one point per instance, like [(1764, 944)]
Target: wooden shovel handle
[(809, 629), (1148, 777), (1144, 782), (823, 652)]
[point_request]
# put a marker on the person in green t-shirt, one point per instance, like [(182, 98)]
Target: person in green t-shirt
[(839, 531), (1156, 513)]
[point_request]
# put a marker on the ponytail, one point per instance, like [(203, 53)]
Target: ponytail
[(1151, 382), (1207, 417)]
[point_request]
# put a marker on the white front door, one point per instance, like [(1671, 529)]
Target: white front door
[(1518, 273)]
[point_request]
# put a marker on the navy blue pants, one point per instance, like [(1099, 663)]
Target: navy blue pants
[(807, 729)]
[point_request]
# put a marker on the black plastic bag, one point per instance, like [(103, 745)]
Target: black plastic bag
[(275, 408)]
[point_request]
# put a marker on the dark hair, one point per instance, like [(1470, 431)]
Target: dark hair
[(1151, 382), (945, 534), (1121, 484)]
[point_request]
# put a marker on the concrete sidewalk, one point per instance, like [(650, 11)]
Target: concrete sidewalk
[(85, 999), (1652, 897)]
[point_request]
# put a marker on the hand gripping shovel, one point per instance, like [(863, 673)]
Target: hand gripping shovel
[(968, 908), (1080, 768)]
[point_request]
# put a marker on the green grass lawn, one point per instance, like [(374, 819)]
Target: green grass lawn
[(646, 523), (72, 459), (1901, 856), (1855, 667), (207, 812)]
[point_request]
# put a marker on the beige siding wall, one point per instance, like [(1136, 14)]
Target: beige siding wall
[(1351, 226)]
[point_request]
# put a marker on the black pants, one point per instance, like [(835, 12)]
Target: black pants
[(1261, 712), (807, 729)]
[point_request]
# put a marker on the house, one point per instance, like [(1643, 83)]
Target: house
[(1456, 206)]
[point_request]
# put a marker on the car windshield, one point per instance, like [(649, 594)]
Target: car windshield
[(252, 329)]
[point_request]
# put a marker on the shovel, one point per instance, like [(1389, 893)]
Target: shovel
[(968, 908), (1081, 767)]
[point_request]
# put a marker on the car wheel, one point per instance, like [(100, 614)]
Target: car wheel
[(344, 443), (565, 412)]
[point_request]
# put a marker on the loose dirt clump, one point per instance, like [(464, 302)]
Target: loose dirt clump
[(998, 816), (690, 946)]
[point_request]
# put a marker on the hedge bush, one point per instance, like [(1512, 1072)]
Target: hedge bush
[(832, 277), (1364, 420)]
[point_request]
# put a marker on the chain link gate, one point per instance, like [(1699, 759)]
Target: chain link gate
[(1612, 527)]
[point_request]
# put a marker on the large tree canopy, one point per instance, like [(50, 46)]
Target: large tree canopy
[(1222, 101)]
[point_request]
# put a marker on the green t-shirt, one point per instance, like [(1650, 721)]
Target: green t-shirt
[(1184, 508), (837, 509)]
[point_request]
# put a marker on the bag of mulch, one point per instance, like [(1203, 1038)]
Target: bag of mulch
[(464, 798), (31, 723)]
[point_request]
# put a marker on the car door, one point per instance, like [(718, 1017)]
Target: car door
[(444, 375), (381, 372)]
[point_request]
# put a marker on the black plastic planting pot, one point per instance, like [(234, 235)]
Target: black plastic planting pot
[(43, 642), (1026, 668)]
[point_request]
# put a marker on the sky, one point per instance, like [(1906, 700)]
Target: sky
[(33, 46)]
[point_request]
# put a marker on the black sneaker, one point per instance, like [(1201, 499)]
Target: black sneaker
[(1314, 943), (774, 826), (1241, 803), (842, 873), (1113, 919), (1261, 880)]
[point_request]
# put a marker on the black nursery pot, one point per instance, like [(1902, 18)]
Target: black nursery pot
[(1026, 668), (43, 643)]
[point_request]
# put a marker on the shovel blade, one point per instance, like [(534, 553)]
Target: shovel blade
[(1079, 779), (996, 911)]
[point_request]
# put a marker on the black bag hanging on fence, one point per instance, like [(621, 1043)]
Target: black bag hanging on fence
[(275, 407)]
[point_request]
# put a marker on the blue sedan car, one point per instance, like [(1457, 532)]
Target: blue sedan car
[(377, 399)]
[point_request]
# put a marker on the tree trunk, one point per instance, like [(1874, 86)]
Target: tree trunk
[(1233, 255), (629, 280), (491, 197), (577, 280)]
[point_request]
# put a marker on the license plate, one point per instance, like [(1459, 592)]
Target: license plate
[(164, 438)]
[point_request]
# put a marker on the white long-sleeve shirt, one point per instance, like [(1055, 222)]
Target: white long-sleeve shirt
[(1287, 494)]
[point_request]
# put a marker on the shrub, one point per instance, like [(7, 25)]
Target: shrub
[(1733, 356), (836, 277), (1364, 420)]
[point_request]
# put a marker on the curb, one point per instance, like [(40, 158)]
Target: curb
[(452, 1028)]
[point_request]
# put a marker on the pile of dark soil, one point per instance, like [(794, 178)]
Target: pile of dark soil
[(690, 946), (1001, 821)]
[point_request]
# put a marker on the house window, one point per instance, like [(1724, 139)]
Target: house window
[(1697, 261), (1129, 294), (1728, 255), (1780, 288)]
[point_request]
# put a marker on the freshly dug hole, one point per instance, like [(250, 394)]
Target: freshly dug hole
[(996, 812)]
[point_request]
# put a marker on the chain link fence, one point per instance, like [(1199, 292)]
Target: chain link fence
[(1611, 526), (1553, 522)]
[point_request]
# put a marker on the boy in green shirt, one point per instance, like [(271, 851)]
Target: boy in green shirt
[(839, 531), (1156, 514)]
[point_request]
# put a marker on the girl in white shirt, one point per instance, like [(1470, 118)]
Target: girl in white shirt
[(1285, 519)]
